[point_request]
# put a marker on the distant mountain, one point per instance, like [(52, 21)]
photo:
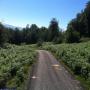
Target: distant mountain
[(11, 26)]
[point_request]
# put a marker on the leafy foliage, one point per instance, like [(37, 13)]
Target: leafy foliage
[(53, 29), (13, 63), (80, 24)]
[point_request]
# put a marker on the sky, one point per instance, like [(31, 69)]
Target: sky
[(40, 12)]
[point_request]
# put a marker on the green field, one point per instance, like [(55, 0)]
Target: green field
[(76, 57), (15, 62)]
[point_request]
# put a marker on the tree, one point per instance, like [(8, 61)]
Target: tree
[(3, 35), (17, 37), (40, 43), (60, 38), (87, 13), (53, 29), (72, 36), (32, 34), (25, 32), (43, 33), (81, 23)]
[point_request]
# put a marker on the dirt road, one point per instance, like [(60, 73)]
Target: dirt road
[(49, 74)]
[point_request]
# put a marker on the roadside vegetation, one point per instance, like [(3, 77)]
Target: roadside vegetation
[(15, 63)]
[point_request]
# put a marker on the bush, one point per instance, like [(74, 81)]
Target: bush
[(72, 36), (39, 43)]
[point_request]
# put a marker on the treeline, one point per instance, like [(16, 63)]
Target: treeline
[(31, 34), (77, 29)]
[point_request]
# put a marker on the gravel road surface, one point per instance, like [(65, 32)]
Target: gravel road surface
[(49, 74)]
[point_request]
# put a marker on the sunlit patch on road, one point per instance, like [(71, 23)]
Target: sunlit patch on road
[(55, 65), (34, 77)]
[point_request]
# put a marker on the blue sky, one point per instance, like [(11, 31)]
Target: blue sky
[(40, 12)]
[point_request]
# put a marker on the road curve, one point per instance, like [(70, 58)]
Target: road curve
[(49, 74)]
